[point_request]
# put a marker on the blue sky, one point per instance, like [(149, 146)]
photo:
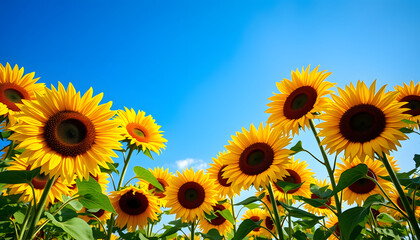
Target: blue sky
[(204, 69)]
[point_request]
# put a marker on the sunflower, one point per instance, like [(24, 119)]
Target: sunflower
[(134, 207), (255, 215), (322, 210), (360, 190), (362, 122), (215, 171), (255, 157), (299, 100), (3, 109), (141, 130), (333, 222), (267, 201), (222, 225), (58, 189), (14, 87), (101, 214), (297, 172), (66, 134), (397, 200), (269, 224), (164, 177), (190, 195), (410, 95)]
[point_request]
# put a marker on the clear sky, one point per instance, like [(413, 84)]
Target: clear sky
[(204, 69)]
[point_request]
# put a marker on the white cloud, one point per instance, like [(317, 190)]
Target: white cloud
[(197, 164)]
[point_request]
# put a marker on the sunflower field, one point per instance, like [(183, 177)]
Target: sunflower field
[(58, 179)]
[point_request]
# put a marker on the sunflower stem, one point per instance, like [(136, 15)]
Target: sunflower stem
[(40, 207), (25, 221), (276, 211), (10, 150), (233, 215), (192, 230), (327, 166), (403, 198), (289, 217), (126, 161)]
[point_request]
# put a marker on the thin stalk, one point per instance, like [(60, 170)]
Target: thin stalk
[(10, 150), (25, 222), (233, 214), (276, 211), (289, 217), (126, 161), (40, 206), (403, 198), (313, 156), (113, 182), (327, 165), (192, 230)]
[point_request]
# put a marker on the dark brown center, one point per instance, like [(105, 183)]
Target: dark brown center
[(364, 185), (255, 219), (300, 102), (362, 123), (413, 103), (69, 133), (256, 158), (292, 178), (219, 219), (39, 181), (223, 181), (337, 229), (98, 213), (269, 223), (191, 195), (10, 94), (133, 204)]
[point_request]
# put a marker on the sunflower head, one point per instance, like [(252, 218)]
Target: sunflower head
[(222, 225), (255, 157), (190, 195), (164, 177), (322, 210), (66, 134), (269, 224), (134, 207), (333, 222), (362, 121), (141, 130), (14, 87), (255, 215), (216, 171), (395, 197), (299, 99), (410, 96)]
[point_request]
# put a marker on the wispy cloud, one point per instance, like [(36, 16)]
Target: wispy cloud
[(191, 162)]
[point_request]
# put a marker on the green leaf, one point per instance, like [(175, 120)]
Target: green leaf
[(213, 234), (146, 175), (179, 223), (8, 205), (299, 235), (252, 206), (386, 218), (307, 223), (76, 205), (287, 186), (316, 202), (406, 130), (352, 221), (404, 177), (170, 231), (246, 227), (322, 192), (112, 167), (5, 135), (248, 201), (147, 153), (374, 199), (387, 232), (227, 215), (408, 121), (75, 227), (91, 195), (18, 176), (299, 213), (297, 148), (350, 176), (417, 160), (323, 234)]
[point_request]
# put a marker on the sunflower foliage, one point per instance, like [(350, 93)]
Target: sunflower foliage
[(58, 178)]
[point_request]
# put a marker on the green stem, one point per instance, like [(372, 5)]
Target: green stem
[(126, 161), (289, 217), (276, 211), (327, 165), (234, 217), (10, 150), (403, 198), (192, 230), (25, 221), (40, 206)]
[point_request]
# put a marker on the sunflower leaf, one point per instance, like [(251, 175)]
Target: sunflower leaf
[(248, 200), (322, 192), (299, 235), (299, 213), (112, 167), (297, 148), (386, 218), (75, 227), (148, 153), (288, 186), (170, 231), (352, 221), (246, 227), (252, 206), (406, 130), (146, 175), (408, 121), (417, 160), (227, 215), (376, 198), (18, 176), (350, 176), (213, 234), (5, 134), (317, 202), (91, 195), (323, 234)]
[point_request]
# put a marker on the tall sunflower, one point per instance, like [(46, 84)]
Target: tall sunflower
[(299, 99), (360, 190), (164, 177), (216, 171), (14, 87), (219, 223), (297, 172), (322, 210), (269, 224), (66, 134), (134, 207), (333, 222), (361, 122), (58, 189), (255, 215), (190, 195), (397, 200), (256, 157), (141, 130), (410, 95)]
